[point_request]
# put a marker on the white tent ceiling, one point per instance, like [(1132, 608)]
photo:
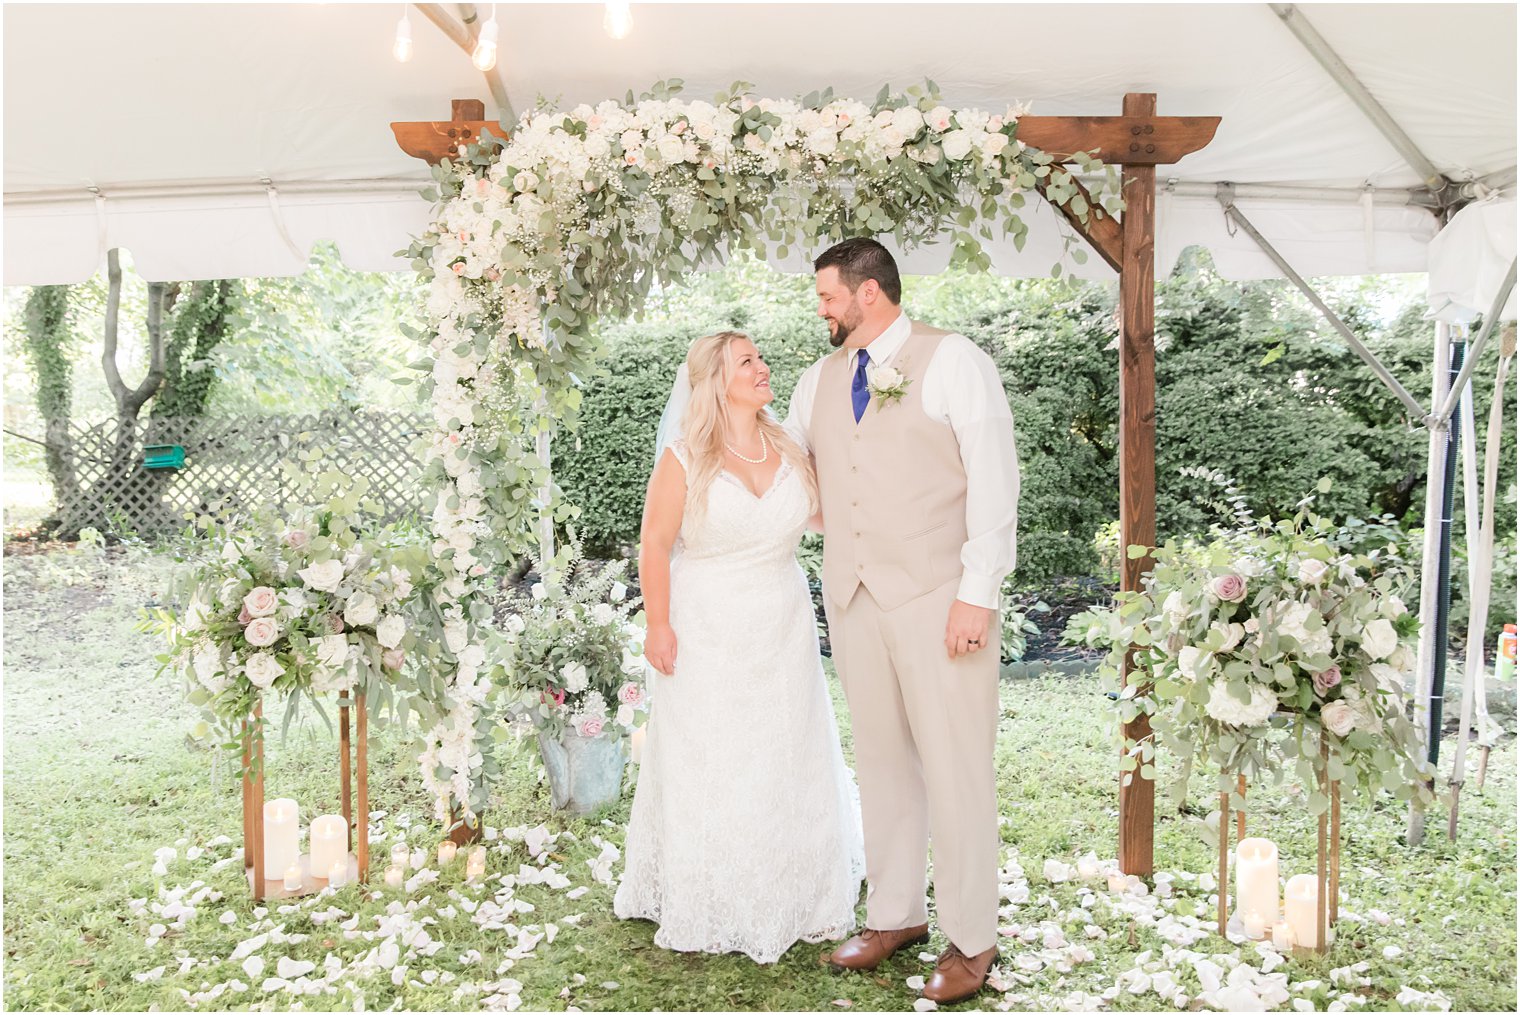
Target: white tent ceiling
[(176, 114)]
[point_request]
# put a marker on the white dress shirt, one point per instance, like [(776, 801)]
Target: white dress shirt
[(962, 388)]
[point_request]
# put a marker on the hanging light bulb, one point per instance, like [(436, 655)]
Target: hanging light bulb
[(618, 21), (484, 55), (402, 50)]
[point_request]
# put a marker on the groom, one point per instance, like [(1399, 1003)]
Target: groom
[(919, 481)]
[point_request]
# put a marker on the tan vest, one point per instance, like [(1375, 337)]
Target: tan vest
[(893, 487)]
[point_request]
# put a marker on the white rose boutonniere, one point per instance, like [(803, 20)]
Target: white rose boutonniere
[(887, 385)]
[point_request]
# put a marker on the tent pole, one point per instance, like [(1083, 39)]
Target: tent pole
[(1315, 43), (1477, 599), (1430, 562), (1226, 198), (543, 449)]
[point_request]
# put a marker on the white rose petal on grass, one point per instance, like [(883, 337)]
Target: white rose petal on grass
[(289, 968), (915, 983), (924, 1004), (228, 917), (253, 966), (1392, 952), (152, 974)]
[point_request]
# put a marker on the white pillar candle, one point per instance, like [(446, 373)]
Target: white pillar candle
[(401, 855), (636, 742), (447, 850), (395, 877), (329, 842), (475, 867), (1256, 879), (282, 837), (1255, 927), (337, 874), (1282, 936), (293, 878), (1302, 905)]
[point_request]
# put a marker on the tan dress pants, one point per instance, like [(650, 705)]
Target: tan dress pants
[(924, 729)]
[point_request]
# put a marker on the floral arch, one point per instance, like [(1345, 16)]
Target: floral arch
[(581, 212)]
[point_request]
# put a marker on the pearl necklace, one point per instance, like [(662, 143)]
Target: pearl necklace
[(765, 452)]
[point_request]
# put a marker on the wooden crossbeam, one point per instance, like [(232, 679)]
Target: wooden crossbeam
[(1132, 140)]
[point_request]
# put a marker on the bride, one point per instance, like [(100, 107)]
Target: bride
[(744, 836)]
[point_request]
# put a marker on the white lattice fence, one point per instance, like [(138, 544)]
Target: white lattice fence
[(231, 464)]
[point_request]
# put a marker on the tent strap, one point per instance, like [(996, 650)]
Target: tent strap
[(1226, 197), (1490, 321)]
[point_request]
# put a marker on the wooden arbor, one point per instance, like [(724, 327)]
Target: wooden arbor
[(1139, 141)]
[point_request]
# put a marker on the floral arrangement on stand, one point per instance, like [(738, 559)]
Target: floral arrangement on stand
[(1272, 625), (578, 215), (299, 602), (571, 651)]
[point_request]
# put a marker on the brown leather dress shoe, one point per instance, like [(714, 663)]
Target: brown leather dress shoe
[(869, 948), (958, 976)]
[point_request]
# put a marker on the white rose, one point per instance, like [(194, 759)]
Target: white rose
[(263, 670), (1174, 607), (332, 651), (1312, 572), (1230, 710), (1403, 660), (1393, 606), (295, 601), (525, 181), (516, 624), (993, 144), (603, 614), (323, 576), (1195, 663), (1233, 633), (908, 120), (390, 631), (957, 144), (1379, 639), (468, 483), (456, 635), (1389, 678), (597, 147), (575, 677), (885, 378), (619, 591), (361, 610), (671, 148), (1338, 718), (261, 601), (625, 716)]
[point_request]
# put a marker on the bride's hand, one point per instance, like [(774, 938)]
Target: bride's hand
[(660, 648)]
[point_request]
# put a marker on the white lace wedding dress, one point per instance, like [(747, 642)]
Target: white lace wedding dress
[(745, 832)]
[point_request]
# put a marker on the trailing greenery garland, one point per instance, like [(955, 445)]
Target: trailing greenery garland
[(576, 217)]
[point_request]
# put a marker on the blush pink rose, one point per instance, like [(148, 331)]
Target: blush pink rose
[(244, 616), (392, 658), (262, 632), (459, 268), (558, 695), (297, 539), (630, 694), (1326, 679), (262, 601), (591, 726), (1338, 718), (1230, 588)]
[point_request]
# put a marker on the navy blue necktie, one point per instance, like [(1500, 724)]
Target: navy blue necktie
[(860, 394)]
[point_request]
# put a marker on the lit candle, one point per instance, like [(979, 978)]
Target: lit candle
[(475, 867), (1256, 880), (446, 852), (1302, 905), (329, 842), (293, 878), (1255, 926), (282, 837), (1117, 883), (636, 742), (1282, 936), (478, 855), (395, 877), (400, 855), (337, 874)]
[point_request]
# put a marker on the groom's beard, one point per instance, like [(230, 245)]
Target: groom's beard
[(841, 331)]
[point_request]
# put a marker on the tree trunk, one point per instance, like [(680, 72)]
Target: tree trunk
[(49, 344)]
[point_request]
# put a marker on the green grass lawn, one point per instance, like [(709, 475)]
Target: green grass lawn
[(103, 780)]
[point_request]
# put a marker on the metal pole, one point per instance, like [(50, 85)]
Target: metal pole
[(1443, 615), (1435, 466), (542, 448), (1315, 43), (1226, 198)]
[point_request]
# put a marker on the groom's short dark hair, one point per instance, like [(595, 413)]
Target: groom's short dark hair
[(860, 258)]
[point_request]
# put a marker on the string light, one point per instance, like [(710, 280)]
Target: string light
[(484, 55), (618, 21), (402, 50)]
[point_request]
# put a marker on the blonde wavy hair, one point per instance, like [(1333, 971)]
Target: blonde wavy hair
[(710, 368)]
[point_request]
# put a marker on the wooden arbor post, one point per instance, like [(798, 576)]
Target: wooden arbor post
[(1139, 140)]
